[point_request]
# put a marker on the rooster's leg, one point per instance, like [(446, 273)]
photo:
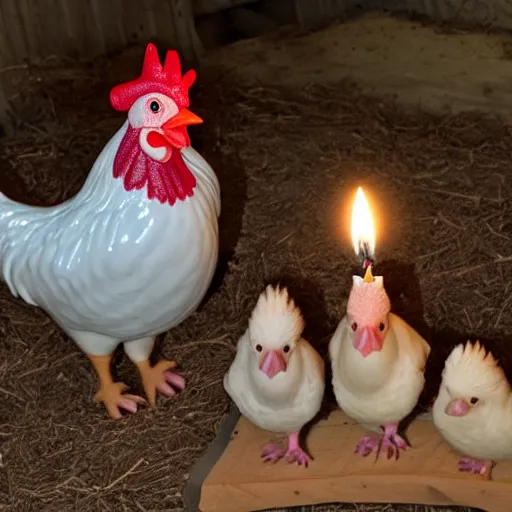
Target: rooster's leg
[(154, 378), (99, 350)]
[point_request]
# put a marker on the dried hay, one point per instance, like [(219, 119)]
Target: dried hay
[(289, 162)]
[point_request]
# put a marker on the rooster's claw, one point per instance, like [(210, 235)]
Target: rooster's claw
[(160, 378), (114, 400)]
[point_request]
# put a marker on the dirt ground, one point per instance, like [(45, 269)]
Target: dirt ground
[(445, 68), (289, 159)]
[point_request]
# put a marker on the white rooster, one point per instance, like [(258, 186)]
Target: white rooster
[(277, 378), (134, 252), (473, 410), (378, 364)]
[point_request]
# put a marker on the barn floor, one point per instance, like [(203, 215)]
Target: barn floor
[(289, 158)]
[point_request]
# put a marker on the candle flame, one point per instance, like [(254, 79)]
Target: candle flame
[(363, 234)]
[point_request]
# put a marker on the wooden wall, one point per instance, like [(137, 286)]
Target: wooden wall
[(34, 29), (31, 30), (486, 13)]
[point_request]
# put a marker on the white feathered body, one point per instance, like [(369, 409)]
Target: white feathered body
[(383, 387), (111, 262), (285, 403), (484, 434)]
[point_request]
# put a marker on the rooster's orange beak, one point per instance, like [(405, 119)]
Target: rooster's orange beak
[(183, 118)]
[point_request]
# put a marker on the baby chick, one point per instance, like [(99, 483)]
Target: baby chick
[(378, 364), (277, 378), (473, 410)]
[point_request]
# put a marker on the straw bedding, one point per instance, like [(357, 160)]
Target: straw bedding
[(289, 161)]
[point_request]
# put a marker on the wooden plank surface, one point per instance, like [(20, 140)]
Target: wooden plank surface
[(426, 474)]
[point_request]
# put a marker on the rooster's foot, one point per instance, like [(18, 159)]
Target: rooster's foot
[(478, 467), (111, 394), (271, 453), (160, 378)]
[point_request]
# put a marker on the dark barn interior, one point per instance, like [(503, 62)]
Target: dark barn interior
[(301, 105)]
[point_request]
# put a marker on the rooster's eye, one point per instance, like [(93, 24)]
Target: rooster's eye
[(154, 106), (354, 326), (474, 400), (381, 326), (259, 348), (286, 349)]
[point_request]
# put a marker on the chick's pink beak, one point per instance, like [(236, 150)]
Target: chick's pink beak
[(457, 407), (174, 130), (368, 340), (272, 363)]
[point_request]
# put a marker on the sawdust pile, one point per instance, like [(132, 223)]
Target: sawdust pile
[(289, 162)]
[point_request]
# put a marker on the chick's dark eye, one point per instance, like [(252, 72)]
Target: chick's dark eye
[(259, 348), (382, 326), (474, 400), (354, 326), (154, 106), (286, 349)]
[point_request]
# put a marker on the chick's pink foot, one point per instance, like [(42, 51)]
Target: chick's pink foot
[(478, 467), (271, 453), (367, 444), (390, 442), (297, 455), (294, 453)]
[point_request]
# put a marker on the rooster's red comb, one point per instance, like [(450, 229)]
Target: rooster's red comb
[(155, 78)]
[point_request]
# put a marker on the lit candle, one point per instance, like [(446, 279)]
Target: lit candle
[(363, 234), (377, 359)]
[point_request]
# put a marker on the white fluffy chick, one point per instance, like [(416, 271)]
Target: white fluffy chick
[(277, 378), (473, 410), (378, 364)]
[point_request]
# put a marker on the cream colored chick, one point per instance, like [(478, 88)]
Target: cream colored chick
[(378, 364), (473, 410), (277, 379)]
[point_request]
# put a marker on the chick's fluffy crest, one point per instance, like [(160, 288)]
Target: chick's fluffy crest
[(368, 302), (471, 367), (275, 319)]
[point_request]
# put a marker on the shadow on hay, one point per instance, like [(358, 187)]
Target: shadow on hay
[(208, 141)]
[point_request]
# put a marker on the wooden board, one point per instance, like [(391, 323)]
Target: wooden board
[(36, 29), (426, 474)]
